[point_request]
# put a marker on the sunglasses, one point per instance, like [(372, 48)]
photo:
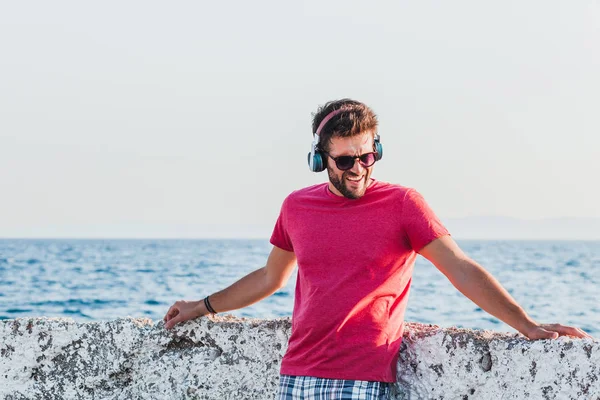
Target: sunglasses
[(344, 163)]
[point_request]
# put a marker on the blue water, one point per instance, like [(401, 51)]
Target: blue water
[(91, 280)]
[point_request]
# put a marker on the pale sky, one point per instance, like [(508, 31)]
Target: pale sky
[(148, 119)]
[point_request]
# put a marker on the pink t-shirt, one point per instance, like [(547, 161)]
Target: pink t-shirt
[(355, 262)]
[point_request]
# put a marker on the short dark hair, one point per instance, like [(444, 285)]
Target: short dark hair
[(355, 118)]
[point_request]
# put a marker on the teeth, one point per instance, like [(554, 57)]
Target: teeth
[(355, 180)]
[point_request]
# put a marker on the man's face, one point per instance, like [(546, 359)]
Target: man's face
[(351, 183)]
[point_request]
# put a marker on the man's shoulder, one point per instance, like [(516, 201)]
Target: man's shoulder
[(309, 191), (393, 189)]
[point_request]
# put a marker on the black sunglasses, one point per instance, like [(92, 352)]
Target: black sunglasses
[(344, 163)]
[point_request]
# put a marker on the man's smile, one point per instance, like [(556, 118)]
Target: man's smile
[(355, 179)]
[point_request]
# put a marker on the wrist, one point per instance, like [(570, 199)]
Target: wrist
[(209, 306), (525, 324), (201, 308)]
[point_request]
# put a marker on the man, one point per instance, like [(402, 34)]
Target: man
[(355, 241)]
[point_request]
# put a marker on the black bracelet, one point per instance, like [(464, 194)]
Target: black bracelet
[(208, 306)]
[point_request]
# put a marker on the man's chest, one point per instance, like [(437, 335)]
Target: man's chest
[(367, 237)]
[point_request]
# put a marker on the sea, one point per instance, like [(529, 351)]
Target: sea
[(101, 280)]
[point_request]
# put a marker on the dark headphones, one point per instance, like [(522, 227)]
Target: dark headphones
[(316, 159)]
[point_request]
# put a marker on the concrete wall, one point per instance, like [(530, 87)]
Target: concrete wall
[(229, 358)]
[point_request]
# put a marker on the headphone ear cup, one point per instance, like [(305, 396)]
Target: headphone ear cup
[(318, 162), (317, 165), (379, 150)]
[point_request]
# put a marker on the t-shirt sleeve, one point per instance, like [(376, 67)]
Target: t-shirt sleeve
[(280, 236), (421, 224)]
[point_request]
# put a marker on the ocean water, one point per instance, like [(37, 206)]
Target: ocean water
[(94, 280)]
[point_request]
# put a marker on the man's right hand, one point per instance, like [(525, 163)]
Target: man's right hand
[(184, 310)]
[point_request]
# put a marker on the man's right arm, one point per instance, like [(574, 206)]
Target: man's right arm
[(250, 289)]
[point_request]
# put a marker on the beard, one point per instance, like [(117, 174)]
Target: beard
[(340, 183)]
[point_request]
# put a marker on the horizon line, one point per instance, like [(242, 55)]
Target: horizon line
[(484, 239)]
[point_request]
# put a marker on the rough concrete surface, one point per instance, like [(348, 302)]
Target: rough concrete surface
[(231, 358)]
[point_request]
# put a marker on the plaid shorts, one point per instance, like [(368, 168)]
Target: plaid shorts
[(311, 388)]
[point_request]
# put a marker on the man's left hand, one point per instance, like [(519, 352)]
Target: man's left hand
[(553, 331)]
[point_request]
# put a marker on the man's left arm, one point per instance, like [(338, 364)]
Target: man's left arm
[(472, 280)]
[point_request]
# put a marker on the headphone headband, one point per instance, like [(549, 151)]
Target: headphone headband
[(326, 120)]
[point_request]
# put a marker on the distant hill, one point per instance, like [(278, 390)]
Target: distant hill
[(461, 228), (514, 228)]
